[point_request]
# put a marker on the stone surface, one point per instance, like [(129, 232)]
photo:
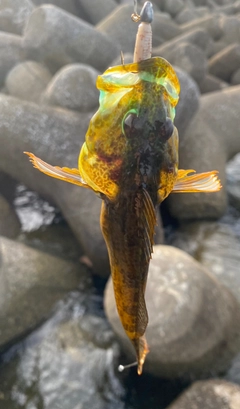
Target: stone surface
[(164, 28), (233, 181), (119, 27), (210, 23), (14, 14), (231, 29), (209, 141), (55, 135), (28, 80), (173, 7), (188, 102), (11, 53), (235, 79), (97, 10), (186, 15), (67, 5), (211, 83), (9, 223), (211, 394), (73, 87), (31, 283), (226, 62), (65, 39), (193, 320)]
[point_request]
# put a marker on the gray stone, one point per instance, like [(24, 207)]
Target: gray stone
[(119, 27), (209, 141), (173, 7), (210, 394), (11, 53), (233, 181), (211, 84), (226, 62), (188, 102), (186, 15), (65, 39), (73, 87), (210, 23), (164, 28), (9, 223), (193, 320), (31, 283), (28, 80), (198, 37), (67, 5), (231, 29), (218, 46), (56, 136), (14, 14), (97, 10), (235, 78)]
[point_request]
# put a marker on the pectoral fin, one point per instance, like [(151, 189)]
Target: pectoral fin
[(199, 182), (65, 174)]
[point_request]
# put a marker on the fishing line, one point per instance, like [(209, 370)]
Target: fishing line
[(122, 367)]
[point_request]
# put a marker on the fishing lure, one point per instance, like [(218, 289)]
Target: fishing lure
[(130, 159)]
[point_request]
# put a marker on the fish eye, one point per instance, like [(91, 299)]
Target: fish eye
[(165, 130)]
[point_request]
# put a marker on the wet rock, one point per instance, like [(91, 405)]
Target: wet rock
[(235, 79), (193, 328), (67, 5), (28, 80), (211, 84), (188, 102), (65, 39), (55, 135), (11, 53), (211, 394), (73, 87), (198, 37), (119, 27), (97, 10), (9, 223), (226, 62), (216, 246), (213, 132), (31, 283), (233, 181), (14, 14)]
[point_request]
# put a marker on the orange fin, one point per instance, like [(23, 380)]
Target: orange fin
[(199, 182), (65, 174)]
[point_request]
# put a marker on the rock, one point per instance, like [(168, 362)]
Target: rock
[(193, 320), (213, 132), (226, 62), (68, 5), (31, 283), (97, 10), (217, 47), (173, 7), (164, 28), (216, 246), (65, 40), (73, 87), (210, 23), (188, 102), (119, 27), (55, 135), (197, 37), (210, 394), (233, 181), (11, 53), (9, 223), (211, 84), (14, 14), (186, 15), (231, 29), (191, 59), (235, 78), (28, 80)]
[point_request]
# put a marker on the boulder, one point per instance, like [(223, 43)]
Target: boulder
[(211, 394), (68, 5), (28, 80), (193, 319), (210, 23), (11, 53), (211, 83), (96, 10), (31, 283), (209, 141), (66, 39), (73, 87), (235, 78), (233, 181), (9, 223), (14, 15), (226, 62)]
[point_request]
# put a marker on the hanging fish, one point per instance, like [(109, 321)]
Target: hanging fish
[(130, 160)]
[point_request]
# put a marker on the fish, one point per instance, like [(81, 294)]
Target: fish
[(130, 160)]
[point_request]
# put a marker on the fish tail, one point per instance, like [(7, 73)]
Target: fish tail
[(141, 347)]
